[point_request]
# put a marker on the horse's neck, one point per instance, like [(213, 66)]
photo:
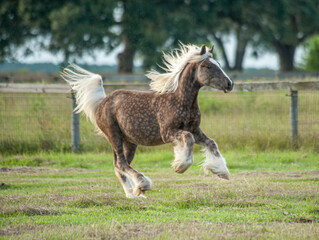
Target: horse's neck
[(188, 86)]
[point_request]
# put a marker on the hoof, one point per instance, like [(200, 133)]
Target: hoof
[(224, 176), (141, 191), (182, 166), (138, 192), (181, 169)]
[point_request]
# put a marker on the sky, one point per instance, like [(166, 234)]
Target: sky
[(266, 60)]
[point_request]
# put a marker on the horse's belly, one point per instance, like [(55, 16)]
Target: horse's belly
[(142, 131)]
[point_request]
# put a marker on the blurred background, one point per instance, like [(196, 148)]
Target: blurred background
[(129, 36), (254, 41)]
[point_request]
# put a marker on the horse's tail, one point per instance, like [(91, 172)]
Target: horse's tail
[(88, 89)]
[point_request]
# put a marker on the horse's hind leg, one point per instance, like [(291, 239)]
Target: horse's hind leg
[(125, 181), (141, 183), (126, 184), (129, 151)]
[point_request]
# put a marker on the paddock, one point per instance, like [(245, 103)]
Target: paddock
[(48, 192), (259, 115)]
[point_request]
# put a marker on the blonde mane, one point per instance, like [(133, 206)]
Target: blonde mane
[(175, 62)]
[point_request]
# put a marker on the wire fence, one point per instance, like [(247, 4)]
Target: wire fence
[(254, 120)]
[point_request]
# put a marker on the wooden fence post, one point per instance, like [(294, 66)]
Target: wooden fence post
[(294, 116), (75, 128)]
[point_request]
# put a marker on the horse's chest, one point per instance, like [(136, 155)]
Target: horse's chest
[(190, 120)]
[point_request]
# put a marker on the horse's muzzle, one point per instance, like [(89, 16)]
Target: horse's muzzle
[(229, 86)]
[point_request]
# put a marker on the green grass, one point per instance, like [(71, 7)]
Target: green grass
[(239, 120), (48, 193), (271, 194), (236, 160)]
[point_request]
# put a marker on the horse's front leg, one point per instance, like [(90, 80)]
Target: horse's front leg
[(214, 161), (183, 142)]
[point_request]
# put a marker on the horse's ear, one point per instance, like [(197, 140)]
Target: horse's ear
[(211, 50), (203, 50)]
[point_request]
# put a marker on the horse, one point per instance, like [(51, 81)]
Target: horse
[(169, 113)]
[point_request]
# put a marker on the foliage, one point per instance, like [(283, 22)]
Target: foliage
[(73, 27), (13, 29), (283, 25), (145, 28), (312, 59)]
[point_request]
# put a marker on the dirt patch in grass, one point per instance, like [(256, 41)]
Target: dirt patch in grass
[(304, 220), (87, 202), (55, 200), (199, 230), (40, 170), (22, 169), (253, 174), (30, 211), (19, 229), (290, 174), (184, 230)]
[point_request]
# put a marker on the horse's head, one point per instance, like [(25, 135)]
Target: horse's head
[(211, 74)]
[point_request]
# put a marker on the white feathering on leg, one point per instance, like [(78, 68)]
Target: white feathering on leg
[(215, 164), (139, 185), (183, 157)]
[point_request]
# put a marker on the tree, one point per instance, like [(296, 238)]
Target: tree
[(13, 30), (141, 31), (81, 26), (73, 27), (312, 49), (216, 19), (145, 28), (284, 24)]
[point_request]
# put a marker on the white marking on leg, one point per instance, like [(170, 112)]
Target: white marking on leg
[(183, 157), (127, 186), (142, 182), (215, 164)]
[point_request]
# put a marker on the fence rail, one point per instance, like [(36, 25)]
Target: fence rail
[(292, 85), (55, 78)]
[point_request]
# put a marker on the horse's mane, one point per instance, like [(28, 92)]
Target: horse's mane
[(175, 61)]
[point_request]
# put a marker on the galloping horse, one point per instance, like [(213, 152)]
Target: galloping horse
[(167, 114)]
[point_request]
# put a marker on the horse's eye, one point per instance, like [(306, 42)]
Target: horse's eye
[(209, 66)]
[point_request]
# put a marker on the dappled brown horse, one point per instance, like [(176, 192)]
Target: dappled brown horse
[(167, 114)]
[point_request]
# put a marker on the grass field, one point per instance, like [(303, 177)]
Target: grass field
[(48, 193), (238, 120), (271, 194)]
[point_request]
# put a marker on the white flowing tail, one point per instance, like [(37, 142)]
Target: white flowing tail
[(88, 88)]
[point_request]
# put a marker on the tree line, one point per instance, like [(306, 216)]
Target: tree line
[(147, 27)]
